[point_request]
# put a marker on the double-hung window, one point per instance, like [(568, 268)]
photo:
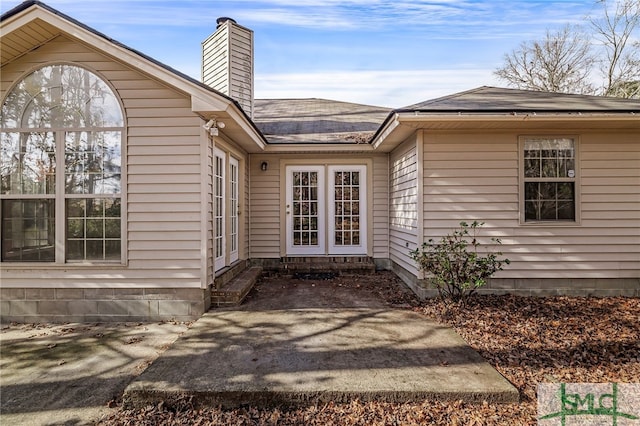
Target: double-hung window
[(60, 166), (549, 179)]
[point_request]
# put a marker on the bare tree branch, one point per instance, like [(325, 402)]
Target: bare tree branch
[(561, 62), (619, 57), (565, 61)]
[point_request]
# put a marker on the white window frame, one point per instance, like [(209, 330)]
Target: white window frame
[(524, 179)]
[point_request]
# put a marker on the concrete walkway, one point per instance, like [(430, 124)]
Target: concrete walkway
[(306, 353), (72, 374)]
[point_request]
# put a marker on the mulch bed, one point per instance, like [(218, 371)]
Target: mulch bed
[(528, 340)]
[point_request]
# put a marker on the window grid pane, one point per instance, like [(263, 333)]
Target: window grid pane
[(92, 163), (93, 229), (61, 96), (28, 163), (28, 230), (549, 158)]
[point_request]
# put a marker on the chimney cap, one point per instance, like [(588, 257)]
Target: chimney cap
[(221, 20)]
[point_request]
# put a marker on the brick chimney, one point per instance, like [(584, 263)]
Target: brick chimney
[(227, 62)]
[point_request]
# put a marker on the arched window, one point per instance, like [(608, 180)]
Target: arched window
[(60, 165)]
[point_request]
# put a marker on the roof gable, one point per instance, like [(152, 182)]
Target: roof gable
[(490, 109), (33, 23)]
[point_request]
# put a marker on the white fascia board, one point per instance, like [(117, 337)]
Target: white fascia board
[(209, 104), (550, 116), (22, 18), (386, 131), (241, 119)]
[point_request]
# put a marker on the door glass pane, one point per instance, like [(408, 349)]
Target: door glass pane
[(233, 199), (305, 208), (346, 208), (218, 178)]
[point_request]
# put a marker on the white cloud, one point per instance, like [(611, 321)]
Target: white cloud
[(384, 88), (458, 16)]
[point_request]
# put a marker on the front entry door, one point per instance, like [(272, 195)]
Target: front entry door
[(327, 221)]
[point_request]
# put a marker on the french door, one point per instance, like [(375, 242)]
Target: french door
[(326, 210), (234, 188), (226, 198), (347, 209), (305, 210), (219, 223)]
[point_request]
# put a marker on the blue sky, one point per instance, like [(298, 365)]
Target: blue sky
[(388, 53)]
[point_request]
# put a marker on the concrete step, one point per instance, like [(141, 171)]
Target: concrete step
[(302, 357), (333, 265), (234, 291)]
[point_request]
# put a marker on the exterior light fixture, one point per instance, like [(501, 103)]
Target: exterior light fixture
[(212, 126), (209, 124), (264, 166)]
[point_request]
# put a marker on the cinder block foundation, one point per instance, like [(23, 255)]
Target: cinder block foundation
[(32, 305), (536, 287)]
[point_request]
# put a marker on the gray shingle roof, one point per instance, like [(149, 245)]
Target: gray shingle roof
[(505, 100), (317, 120)]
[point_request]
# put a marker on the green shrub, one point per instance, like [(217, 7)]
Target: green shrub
[(456, 265)]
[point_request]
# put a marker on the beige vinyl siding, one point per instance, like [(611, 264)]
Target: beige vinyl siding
[(215, 53), (244, 209), (475, 177), (227, 65), (209, 199), (265, 227), (242, 67), (163, 174), (380, 207), (403, 212)]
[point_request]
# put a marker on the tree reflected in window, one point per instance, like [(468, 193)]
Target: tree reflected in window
[(62, 128), (549, 179)]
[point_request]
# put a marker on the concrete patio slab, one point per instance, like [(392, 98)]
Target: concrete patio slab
[(269, 357)]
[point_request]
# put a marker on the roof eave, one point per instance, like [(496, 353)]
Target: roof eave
[(400, 124), (204, 99)]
